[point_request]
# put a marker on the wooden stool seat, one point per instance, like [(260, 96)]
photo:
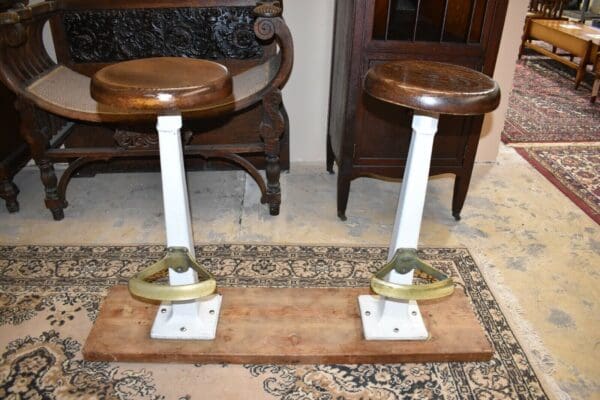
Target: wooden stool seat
[(433, 87), (162, 84)]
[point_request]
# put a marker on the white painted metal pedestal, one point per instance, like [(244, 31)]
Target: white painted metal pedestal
[(194, 319), (390, 319)]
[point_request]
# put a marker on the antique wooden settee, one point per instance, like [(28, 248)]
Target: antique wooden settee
[(247, 36)]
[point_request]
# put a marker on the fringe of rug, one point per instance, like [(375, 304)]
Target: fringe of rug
[(542, 362)]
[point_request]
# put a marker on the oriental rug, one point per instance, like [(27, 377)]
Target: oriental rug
[(574, 170), (50, 295), (544, 105)]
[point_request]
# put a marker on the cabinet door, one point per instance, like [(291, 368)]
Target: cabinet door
[(386, 133), (444, 21)]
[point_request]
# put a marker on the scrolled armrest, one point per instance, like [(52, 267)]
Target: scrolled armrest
[(270, 25), (22, 13)]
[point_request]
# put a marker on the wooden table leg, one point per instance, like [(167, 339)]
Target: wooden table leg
[(596, 86), (585, 60)]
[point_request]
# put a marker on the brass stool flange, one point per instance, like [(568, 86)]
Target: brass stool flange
[(404, 261), (179, 260)]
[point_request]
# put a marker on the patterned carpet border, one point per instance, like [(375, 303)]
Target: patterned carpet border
[(545, 107), (574, 170), (49, 297)]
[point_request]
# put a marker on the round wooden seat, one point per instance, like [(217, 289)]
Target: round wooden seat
[(161, 84), (433, 87)]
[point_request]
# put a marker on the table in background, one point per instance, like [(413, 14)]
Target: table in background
[(577, 39)]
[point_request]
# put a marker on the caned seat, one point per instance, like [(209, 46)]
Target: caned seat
[(433, 87)]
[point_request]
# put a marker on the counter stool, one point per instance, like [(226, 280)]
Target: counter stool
[(166, 86), (430, 89)]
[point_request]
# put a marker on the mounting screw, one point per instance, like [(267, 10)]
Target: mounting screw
[(183, 329), (211, 312), (413, 313), (163, 310), (396, 330), (367, 313)]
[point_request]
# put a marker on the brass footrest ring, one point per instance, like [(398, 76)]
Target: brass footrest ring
[(404, 261), (179, 260)]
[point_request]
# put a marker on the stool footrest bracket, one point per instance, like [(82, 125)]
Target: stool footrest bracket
[(403, 262), (179, 260)]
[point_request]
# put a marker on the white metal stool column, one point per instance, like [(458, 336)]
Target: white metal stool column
[(430, 89), (192, 319), (163, 86), (386, 318)]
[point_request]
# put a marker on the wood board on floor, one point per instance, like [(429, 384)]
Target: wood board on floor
[(286, 326)]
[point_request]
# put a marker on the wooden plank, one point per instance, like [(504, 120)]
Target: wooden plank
[(286, 326)]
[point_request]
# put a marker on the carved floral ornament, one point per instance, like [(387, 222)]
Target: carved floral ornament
[(117, 35)]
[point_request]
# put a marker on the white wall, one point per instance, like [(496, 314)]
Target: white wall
[(306, 95), (504, 74)]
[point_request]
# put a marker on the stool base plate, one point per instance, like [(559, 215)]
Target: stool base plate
[(392, 327), (169, 325), (286, 326)]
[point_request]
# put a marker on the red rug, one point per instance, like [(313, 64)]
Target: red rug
[(574, 170), (545, 107)]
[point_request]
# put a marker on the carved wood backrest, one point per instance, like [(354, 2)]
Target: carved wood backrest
[(89, 35)]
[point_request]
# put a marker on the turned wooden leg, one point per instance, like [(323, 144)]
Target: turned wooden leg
[(271, 130), (585, 60), (330, 155), (38, 139), (273, 186), (53, 201), (9, 192), (343, 191), (461, 186)]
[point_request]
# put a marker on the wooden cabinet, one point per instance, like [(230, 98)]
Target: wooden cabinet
[(368, 138)]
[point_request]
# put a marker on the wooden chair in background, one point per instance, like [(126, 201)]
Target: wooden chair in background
[(249, 37), (547, 9)]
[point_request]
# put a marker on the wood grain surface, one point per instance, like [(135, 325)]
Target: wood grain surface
[(283, 326), (433, 87), (161, 83)]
